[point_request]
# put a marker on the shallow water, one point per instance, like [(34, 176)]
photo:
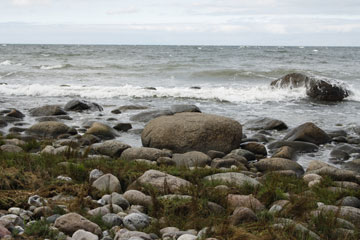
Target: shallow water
[(233, 81)]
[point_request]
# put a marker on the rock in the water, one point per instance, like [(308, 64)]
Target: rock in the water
[(308, 132), (147, 116), (265, 124), (163, 182), (84, 235), (186, 132), (184, 108), (248, 201), (285, 152), (48, 129), (107, 183), (71, 222), (47, 110), (326, 90), (275, 164), (15, 114), (297, 146), (151, 154), (191, 159), (136, 221), (128, 107), (254, 147), (238, 179), (292, 80), (123, 127), (81, 105), (102, 131), (111, 148)]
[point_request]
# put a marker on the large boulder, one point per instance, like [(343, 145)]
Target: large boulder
[(163, 182), (276, 164), (184, 132), (81, 105), (102, 131), (47, 110), (265, 124), (71, 222), (308, 132), (112, 148), (151, 154), (191, 159), (48, 129)]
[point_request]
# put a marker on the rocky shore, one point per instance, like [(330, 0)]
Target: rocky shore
[(197, 176)]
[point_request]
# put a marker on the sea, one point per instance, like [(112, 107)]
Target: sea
[(232, 81)]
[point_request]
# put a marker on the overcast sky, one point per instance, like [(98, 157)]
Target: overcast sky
[(182, 22)]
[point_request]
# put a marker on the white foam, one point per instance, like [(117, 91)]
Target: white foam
[(6, 63), (232, 94)]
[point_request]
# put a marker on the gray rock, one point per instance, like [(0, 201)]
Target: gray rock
[(102, 131), (275, 164), (15, 114), (326, 90), (265, 124), (8, 148), (112, 219), (184, 108), (303, 147), (136, 221), (191, 159), (53, 218), (101, 211), (151, 154), (81, 105), (184, 132), (238, 179), (242, 153), (95, 174), (248, 201), (187, 236), (111, 148), (125, 234), (308, 132), (48, 129), (215, 154), (11, 219), (116, 198), (47, 110), (36, 201), (84, 235), (123, 127), (163, 182), (107, 183), (348, 213), (127, 108), (228, 163), (349, 201), (292, 80), (137, 198), (284, 223), (71, 222), (149, 115)]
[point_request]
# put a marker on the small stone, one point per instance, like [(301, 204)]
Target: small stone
[(107, 183), (112, 219), (136, 221), (95, 174), (123, 127), (84, 235)]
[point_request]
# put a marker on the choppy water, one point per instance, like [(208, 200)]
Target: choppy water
[(233, 81)]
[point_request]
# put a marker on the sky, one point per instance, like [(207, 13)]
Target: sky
[(182, 22)]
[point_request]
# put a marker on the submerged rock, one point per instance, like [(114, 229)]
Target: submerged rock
[(184, 132), (81, 105), (47, 110), (149, 115), (265, 124)]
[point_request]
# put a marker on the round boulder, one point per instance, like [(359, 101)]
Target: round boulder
[(184, 132), (102, 131), (48, 129)]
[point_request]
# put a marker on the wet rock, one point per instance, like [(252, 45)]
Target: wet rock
[(149, 115), (238, 179), (48, 129), (326, 91), (151, 154), (123, 127), (191, 159), (285, 152), (241, 215), (248, 201), (102, 131), (184, 108), (137, 198), (9, 148), (15, 114), (71, 222), (47, 110), (44, 211), (81, 105), (275, 164), (265, 124), (339, 155), (161, 181), (254, 147), (84, 235), (111, 148), (136, 221), (298, 146), (107, 183), (292, 80), (308, 132), (186, 132)]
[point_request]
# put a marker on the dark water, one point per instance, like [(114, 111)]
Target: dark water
[(233, 81)]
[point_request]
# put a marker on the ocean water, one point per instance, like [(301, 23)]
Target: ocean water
[(231, 81)]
